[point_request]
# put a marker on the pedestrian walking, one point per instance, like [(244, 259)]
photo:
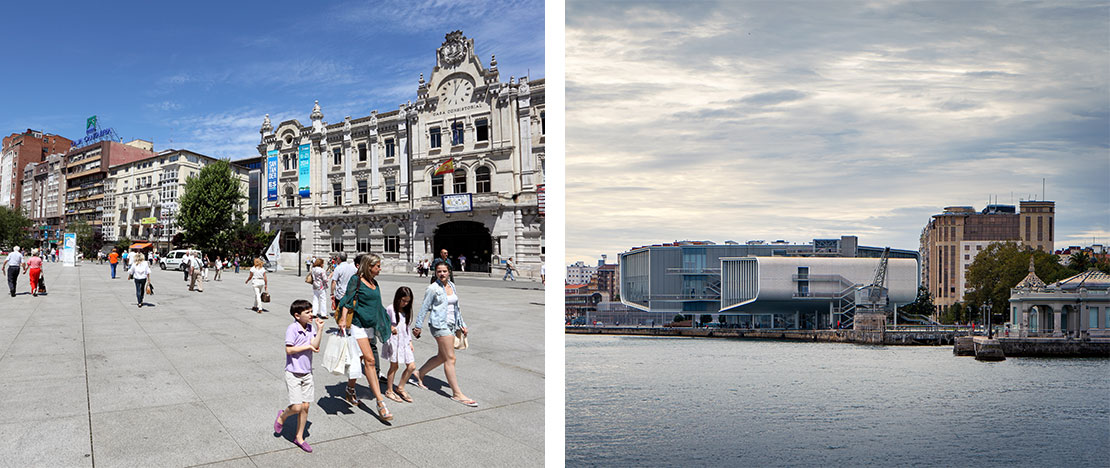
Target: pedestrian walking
[(441, 308), (113, 260), (302, 338), (370, 322), (185, 266), (204, 268), (339, 279), (321, 303), (140, 272), (13, 264), (195, 266), (354, 367), (237, 265), (34, 270), (219, 266), (462, 262), (509, 269), (543, 273), (257, 279), (443, 258), (398, 350)]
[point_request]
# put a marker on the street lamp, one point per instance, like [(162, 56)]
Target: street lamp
[(987, 310)]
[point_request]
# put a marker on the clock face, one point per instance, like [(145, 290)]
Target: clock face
[(456, 91)]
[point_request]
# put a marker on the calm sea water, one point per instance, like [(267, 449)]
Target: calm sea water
[(681, 401)]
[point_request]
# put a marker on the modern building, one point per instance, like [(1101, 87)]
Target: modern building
[(143, 195), (698, 277), (952, 239), (86, 170), (459, 169), (1078, 306), (42, 202), (19, 150), (257, 184)]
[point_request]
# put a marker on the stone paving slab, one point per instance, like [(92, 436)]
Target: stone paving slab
[(195, 378)]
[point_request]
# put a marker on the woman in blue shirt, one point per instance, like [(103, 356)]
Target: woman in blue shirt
[(441, 305)]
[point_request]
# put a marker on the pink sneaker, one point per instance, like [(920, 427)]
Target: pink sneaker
[(277, 422)]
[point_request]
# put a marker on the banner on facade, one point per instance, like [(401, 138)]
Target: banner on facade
[(302, 170), (271, 175), (457, 203), (69, 249), (150, 220)]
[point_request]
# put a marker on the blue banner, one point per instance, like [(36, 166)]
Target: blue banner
[(302, 170), (271, 175)]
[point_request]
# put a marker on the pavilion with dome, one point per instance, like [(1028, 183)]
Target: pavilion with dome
[(1077, 307)]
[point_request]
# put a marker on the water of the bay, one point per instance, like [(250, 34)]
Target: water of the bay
[(682, 401)]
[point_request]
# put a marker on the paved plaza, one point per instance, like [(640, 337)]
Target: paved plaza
[(195, 378)]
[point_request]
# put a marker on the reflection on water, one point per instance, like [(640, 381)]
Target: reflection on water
[(666, 401)]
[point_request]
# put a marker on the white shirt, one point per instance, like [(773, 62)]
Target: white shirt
[(258, 279), (342, 275), (14, 259), (140, 270)]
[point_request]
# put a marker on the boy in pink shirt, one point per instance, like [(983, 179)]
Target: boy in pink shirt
[(302, 338)]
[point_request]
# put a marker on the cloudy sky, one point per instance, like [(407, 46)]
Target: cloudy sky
[(200, 75), (798, 120)]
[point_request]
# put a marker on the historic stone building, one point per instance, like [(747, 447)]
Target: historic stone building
[(371, 183)]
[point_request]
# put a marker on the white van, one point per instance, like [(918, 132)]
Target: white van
[(172, 260)]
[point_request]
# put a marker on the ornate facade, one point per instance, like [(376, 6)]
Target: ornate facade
[(371, 182)]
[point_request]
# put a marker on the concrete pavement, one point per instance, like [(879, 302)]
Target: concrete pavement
[(196, 378)]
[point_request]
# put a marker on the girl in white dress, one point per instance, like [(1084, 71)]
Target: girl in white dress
[(398, 350)]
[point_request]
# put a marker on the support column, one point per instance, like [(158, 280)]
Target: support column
[(130, 214), (1056, 316), (348, 178), (372, 141), (1024, 332), (527, 169)]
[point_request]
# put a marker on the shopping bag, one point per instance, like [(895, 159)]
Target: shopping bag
[(460, 340), (335, 354)]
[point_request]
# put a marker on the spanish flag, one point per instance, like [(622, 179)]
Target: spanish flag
[(447, 167)]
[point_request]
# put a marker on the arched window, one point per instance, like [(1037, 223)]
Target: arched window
[(363, 238), (482, 180), (460, 181), (337, 239), (392, 238)]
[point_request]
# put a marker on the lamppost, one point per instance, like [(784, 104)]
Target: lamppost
[(987, 310)]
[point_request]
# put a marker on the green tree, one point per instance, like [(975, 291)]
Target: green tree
[(1000, 267), (210, 208), (250, 240), (923, 305), (14, 229), (89, 240), (1079, 261), (123, 244)]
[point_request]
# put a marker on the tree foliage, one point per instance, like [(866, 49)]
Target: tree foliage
[(250, 240), (1000, 267), (89, 240), (210, 213), (14, 229), (923, 305)]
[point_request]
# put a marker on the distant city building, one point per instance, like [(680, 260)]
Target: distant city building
[(687, 277), (19, 150), (1097, 252), (580, 273), (951, 240), (43, 198), (608, 281), (143, 196), (86, 169), (460, 168)]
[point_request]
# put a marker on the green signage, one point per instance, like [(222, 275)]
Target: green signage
[(90, 123)]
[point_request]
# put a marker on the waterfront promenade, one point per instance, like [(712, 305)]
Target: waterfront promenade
[(196, 378)]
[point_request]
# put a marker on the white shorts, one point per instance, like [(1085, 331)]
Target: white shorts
[(358, 332), (300, 388)]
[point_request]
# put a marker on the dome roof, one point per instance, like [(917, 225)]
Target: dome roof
[(1031, 280)]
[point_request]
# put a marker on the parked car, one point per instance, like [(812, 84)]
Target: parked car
[(173, 260)]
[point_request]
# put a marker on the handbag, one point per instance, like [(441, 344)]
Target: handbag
[(335, 355), (149, 287), (460, 340), (265, 297), (308, 278), (351, 313), (42, 285)]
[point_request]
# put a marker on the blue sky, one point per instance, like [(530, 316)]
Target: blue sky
[(748, 120), (200, 75)]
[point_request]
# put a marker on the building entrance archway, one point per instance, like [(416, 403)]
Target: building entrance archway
[(467, 238)]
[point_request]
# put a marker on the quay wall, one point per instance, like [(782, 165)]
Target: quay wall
[(907, 338), (1055, 347)]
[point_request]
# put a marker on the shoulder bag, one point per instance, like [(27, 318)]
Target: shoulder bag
[(308, 278), (351, 312)]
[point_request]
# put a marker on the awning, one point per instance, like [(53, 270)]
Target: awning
[(140, 245)]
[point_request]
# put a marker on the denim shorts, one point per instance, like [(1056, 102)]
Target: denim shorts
[(438, 332)]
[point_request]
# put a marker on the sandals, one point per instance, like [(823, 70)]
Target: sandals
[(383, 412), (392, 396), (416, 380), (467, 402), (404, 395), (351, 398)]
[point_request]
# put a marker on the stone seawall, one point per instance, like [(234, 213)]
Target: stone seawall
[(1055, 347), (907, 338)]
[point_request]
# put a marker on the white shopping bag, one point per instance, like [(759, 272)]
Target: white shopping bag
[(335, 354)]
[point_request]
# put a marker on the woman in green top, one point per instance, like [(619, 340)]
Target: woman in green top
[(370, 321)]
